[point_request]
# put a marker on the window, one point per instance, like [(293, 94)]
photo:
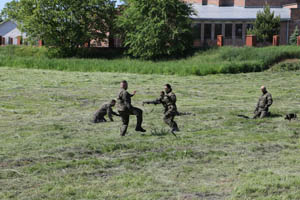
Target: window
[(207, 31), (238, 30), (196, 31), (218, 30), (249, 26), (228, 31)]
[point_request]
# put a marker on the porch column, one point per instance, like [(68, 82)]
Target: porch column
[(202, 32), (223, 30), (213, 31), (233, 34), (244, 33)]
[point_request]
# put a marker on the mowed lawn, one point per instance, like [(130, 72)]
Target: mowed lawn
[(49, 149)]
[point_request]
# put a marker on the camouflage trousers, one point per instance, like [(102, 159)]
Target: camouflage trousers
[(261, 113), (169, 119), (99, 117), (125, 119)]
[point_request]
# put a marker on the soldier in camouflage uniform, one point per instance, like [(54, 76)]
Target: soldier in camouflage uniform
[(263, 104), (168, 100), (125, 109), (105, 109)]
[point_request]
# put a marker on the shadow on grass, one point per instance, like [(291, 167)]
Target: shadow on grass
[(275, 115), (159, 132)]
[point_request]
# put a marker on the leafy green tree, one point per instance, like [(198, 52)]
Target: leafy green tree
[(294, 36), (66, 24), (266, 25), (154, 29)]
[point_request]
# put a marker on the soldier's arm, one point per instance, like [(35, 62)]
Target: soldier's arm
[(114, 113), (127, 100), (109, 113), (269, 100)]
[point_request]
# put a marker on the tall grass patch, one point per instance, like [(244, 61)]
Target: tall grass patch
[(212, 61)]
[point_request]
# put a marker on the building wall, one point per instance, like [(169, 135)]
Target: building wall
[(234, 39), (295, 15), (14, 35), (9, 30), (245, 3), (193, 1), (283, 40)]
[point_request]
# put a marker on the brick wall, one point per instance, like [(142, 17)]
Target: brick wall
[(226, 3), (240, 3), (272, 3), (213, 2)]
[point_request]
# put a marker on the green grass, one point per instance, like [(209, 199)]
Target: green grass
[(49, 149), (214, 61)]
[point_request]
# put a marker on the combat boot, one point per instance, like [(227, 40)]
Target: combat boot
[(140, 129)]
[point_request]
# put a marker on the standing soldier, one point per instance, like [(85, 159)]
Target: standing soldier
[(263, 104), (105, 109), (125, 109), (168, 100)]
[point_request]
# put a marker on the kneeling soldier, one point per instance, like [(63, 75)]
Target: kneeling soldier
[(168, 100), (263, 104), (105, 109)]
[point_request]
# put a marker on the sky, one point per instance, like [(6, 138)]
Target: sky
[(3, 2)]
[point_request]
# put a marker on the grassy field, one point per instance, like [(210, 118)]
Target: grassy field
[(49, 149), (214, 61)]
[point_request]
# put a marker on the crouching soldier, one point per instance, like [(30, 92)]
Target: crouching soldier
[(263, 104), (105, 109), (168, 100)]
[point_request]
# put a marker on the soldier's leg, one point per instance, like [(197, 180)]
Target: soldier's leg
[(263, 114), (256, 114), (139, 117), (102, 119), (125, 122), (169, 119)]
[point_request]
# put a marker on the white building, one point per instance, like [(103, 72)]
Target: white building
[(10, 33)]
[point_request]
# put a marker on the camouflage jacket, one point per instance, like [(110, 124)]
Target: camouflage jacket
[(124, 100), (265, 101), (169, 102)]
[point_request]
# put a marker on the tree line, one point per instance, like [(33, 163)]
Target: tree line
[(149, 29)]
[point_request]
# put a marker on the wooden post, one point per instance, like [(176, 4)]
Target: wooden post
[(41, 43), (251, 40), (19, 40), (1, 39), (276, 40), (298, 41), (220, 40)]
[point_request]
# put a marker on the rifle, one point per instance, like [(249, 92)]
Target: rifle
[(184, 113), (151, 102)]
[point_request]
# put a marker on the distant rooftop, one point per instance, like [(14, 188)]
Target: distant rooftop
[(215, 13)]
